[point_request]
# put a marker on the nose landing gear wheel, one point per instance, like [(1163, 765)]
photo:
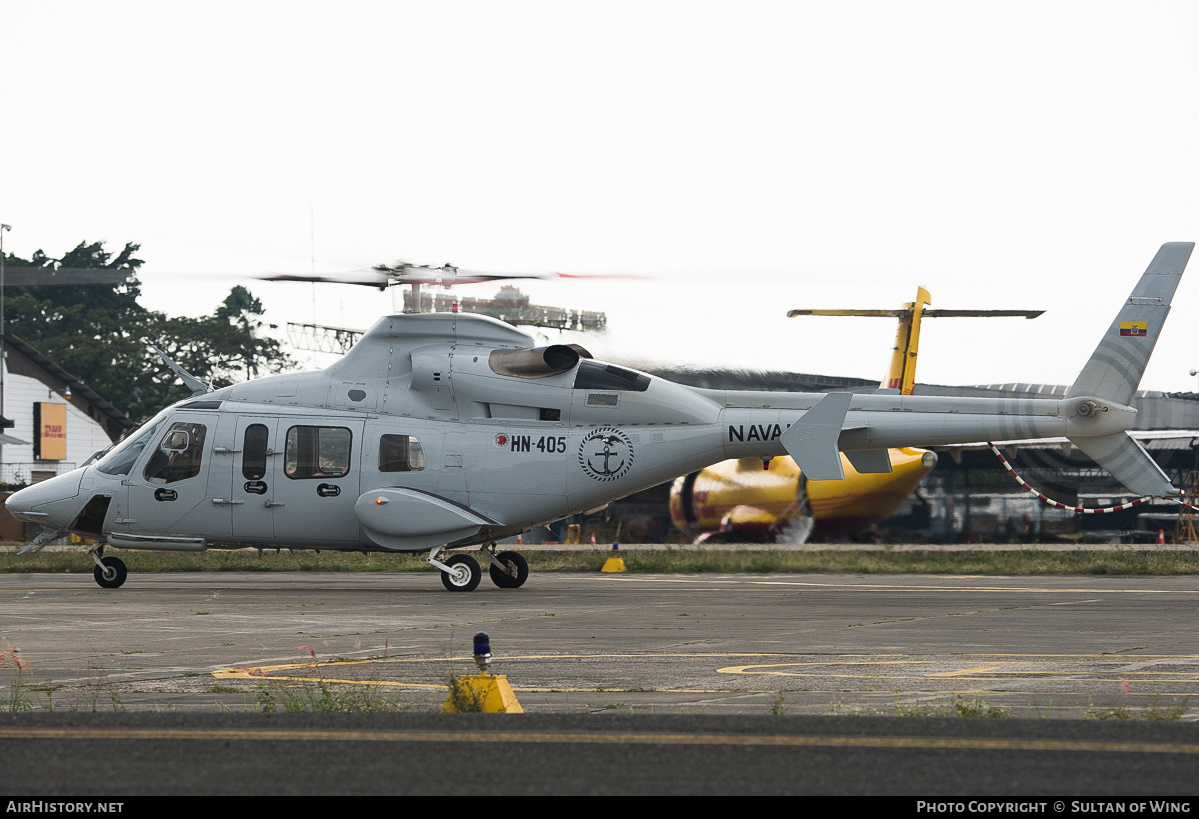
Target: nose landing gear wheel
[(465, 574), (113, 575), (515, 562)]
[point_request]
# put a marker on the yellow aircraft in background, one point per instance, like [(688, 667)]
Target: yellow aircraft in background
[(758, 500)]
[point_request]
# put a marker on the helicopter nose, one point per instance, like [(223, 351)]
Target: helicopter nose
[(54, 502)]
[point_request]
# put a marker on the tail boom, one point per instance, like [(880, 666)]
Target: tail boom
[(1095, 413)]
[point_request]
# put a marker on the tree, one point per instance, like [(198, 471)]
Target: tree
[(222, 347), (98, 333)]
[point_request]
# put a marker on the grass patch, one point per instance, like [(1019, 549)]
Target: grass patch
[(14, 697), (1153, 711), (323, 696), (960, 707), (667, 561), (464, 698)]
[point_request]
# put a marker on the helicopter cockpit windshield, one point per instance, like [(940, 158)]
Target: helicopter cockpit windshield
[(121, 458)]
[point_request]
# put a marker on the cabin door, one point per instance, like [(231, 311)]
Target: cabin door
[(252, 497), (316, 482)]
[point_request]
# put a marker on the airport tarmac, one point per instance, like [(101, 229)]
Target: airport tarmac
[(1055, 647)]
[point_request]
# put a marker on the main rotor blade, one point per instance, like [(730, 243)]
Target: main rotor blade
[(64, 276), (402, 273), (1028, 314), (372, 279), (879, 313)]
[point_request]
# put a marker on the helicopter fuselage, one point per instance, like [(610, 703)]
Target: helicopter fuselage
[(439, 431), (451, 443)]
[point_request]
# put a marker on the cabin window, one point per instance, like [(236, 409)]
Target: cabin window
[(317, 452), (253, 452), (179, 454), (400, 453)]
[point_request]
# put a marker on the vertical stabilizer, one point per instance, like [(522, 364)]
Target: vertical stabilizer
[(1129, 463), (1115, 368), (812, 440), (902, 375)]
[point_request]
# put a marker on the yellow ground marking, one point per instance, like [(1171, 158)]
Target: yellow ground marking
[(267, 671), (263, 670), (976, 670), (1018, 698), (903, 587), (787, 669), (1058, 675), (594, 738)]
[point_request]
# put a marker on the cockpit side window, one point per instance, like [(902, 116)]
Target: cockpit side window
[(593, 375), (179, 454), (400, 453), (124, 455)]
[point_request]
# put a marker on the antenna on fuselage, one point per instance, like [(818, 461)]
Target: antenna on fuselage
[(197, 386)]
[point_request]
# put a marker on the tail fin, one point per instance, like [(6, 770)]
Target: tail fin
[(902, 375), (1115, 369), (1128, 462)]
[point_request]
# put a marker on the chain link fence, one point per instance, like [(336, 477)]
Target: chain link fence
[(16, 475)]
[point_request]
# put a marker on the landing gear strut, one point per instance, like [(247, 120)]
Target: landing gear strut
[(509, 570), (110, 572), (458, 573)]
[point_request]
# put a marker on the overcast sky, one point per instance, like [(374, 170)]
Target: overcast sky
[(749, 157)]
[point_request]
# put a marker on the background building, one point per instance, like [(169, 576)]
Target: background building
[(59, 421)]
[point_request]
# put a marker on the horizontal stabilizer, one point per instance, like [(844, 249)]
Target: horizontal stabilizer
[(1128, 462), (870, 461), (812, 440), (1115, 368)]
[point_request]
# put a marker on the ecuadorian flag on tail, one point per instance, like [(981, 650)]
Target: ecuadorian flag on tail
[(1134, 328)]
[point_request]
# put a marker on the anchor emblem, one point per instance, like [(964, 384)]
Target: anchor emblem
[(606, 454)]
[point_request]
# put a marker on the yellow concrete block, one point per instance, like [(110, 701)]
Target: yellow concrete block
[(614, 564), (486, 693)]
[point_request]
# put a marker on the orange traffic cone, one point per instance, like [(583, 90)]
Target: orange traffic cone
[(1161, 537), (593, 538), (519, 540)]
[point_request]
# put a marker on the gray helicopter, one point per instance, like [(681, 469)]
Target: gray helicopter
[(441, 431)]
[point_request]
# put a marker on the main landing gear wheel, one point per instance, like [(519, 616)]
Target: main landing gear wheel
[(464, 575), (113, 575), (517, 574)]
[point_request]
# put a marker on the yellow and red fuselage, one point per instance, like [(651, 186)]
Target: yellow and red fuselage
[(740, 498)]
